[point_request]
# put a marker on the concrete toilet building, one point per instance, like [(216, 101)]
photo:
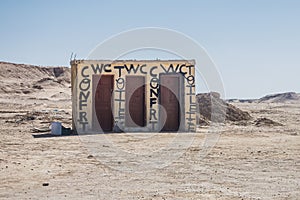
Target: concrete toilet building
[(133, 96)]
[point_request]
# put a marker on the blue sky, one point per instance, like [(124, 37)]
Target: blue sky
[(254, 43)]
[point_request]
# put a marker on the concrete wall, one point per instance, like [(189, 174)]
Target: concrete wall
[(82, 91)]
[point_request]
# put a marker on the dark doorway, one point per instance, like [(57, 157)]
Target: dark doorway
[(103, 101), (135, 101), (169, 100)]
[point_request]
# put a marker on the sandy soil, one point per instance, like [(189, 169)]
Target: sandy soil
[(247, 161)]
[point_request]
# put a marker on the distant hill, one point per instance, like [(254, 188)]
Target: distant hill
[(12, 70), (287, 97), (241, 100), (23, 78)]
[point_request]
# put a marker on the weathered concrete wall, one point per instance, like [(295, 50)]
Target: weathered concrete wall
[(83, 100)]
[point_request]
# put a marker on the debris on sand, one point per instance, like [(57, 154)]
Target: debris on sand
[(40, 129), (266, 122), (29, 116), (35, 86), (202, 121), (211, 107)]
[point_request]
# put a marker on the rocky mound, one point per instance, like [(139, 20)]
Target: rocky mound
[(289, 97), (211, 107), (266, 122)]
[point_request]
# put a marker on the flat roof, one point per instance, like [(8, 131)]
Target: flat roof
[(133, 60)]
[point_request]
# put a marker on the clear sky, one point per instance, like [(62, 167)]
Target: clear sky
[(254, 43)]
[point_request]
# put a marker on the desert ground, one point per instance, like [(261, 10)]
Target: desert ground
[(245, 159)]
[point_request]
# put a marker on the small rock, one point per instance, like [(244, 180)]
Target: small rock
[(45, 184), (90, 156)]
